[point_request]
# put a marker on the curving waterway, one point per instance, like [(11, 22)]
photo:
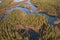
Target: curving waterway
[(49, 18)]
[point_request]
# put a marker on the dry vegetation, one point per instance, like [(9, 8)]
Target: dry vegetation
[(10, 28), (51, 7), (18, 20)]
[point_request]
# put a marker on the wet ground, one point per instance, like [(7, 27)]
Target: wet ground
[(33, 34)]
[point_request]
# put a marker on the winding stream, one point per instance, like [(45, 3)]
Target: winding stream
[(49, 18)]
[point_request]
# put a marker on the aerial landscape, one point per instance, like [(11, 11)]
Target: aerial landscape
[(29, 19)]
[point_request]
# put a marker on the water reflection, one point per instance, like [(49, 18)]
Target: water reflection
[(4, 17), (50, 19), (18, 0), (33, 35), (19, 8)]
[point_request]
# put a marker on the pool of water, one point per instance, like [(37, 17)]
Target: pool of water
[(19, 8), (4, 17), (50, 19), (18, 0), (33, 35)]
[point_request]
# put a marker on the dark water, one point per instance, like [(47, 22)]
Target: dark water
[(33, 34), (4, 17), (50, 19), (19, 8)]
